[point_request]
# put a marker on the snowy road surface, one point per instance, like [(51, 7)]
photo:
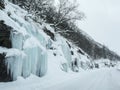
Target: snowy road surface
[(104, 79), (101, 79)]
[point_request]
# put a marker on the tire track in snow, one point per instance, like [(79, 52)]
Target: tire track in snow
[(101, 79), (114, 79)]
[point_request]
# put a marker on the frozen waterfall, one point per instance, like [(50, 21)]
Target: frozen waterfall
[(31, 45)]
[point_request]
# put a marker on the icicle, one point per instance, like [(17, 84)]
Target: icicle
[(14, 61)]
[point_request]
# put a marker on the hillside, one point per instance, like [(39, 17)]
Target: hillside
[(28, 49), (59, 20), (94, 49), (36, 56)]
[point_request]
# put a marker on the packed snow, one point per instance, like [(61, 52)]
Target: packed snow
[(99, 79)]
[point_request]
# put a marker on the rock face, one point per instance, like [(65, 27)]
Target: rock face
[(4, 42), (5, 35), (52, 36), (2, 6), (4, 76)]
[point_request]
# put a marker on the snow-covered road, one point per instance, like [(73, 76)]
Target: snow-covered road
[(99, 79), (102, 79)]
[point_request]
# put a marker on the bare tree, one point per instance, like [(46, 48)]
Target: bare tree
[(37, 8), (67, 11)]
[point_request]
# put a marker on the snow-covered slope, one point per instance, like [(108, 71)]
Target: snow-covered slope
[(37, 62), (33, 51)]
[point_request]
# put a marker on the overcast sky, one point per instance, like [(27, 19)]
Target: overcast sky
[(102, 21)]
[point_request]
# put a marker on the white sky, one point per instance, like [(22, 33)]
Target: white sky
[(102, 22)]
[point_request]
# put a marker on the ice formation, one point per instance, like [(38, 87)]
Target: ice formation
[(31, 45), (28, 39)]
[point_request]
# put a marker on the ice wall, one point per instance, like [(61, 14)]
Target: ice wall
[(31, 45), (27, 38), (66, 51)]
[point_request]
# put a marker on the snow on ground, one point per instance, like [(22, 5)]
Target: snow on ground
[(55, 79), (98, 79), (102, 79)]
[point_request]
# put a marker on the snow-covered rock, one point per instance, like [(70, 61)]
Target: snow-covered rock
[(32, 49)]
